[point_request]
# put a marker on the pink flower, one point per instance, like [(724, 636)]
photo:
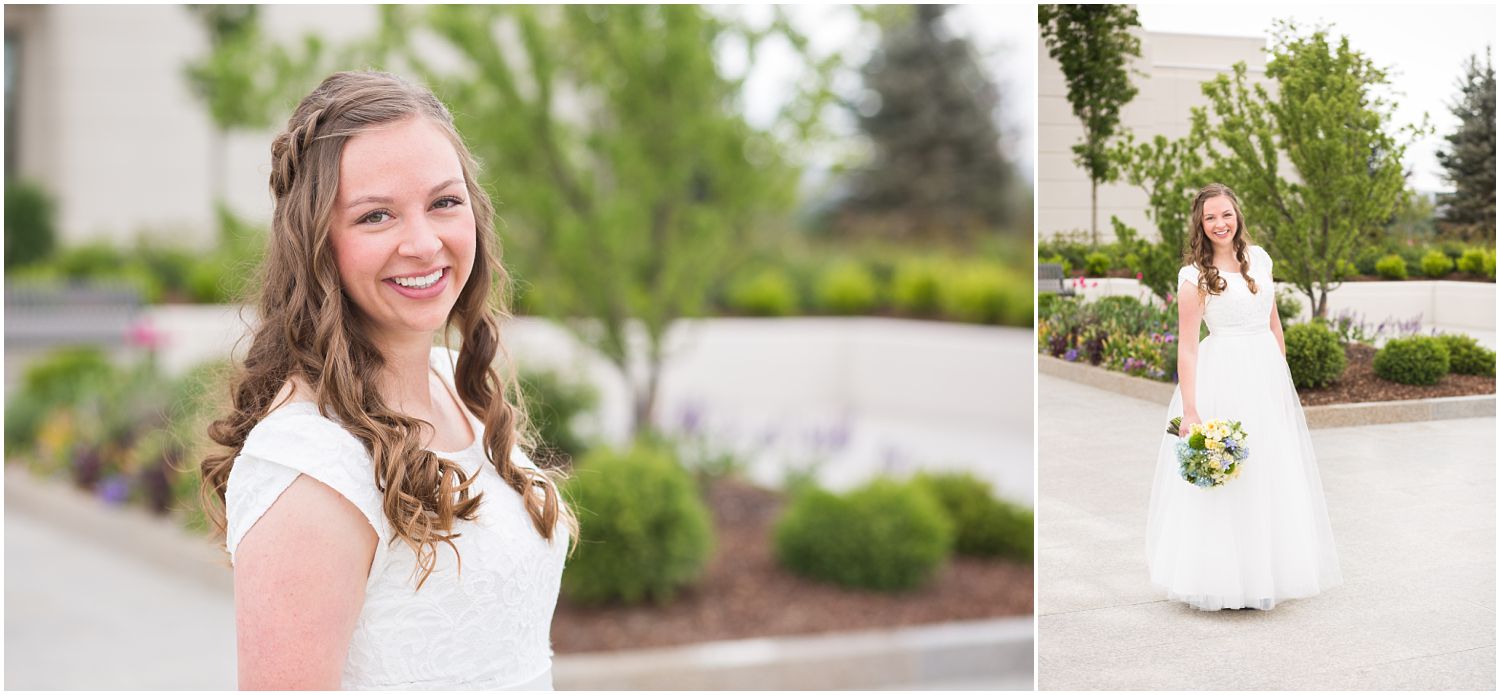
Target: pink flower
[(1094, 283), (143, 334), (1138, 276)]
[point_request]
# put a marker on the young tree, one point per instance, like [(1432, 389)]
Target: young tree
[(617, 156), (1469, 162), (1092, 43), (1170, 172), (938, 169), (1343, 166)]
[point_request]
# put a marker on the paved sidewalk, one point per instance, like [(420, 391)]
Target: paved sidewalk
[(1413, 513)]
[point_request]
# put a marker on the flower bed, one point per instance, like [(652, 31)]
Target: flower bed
[(745, 592)]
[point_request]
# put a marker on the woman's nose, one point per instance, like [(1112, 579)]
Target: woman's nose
[(421, 240)]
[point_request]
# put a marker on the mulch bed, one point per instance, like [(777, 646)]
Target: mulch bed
[(1360, 385), (745, 593)]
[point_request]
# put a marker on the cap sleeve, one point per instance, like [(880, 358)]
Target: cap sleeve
[(1187, 275), (297, 440), (1262, 259)]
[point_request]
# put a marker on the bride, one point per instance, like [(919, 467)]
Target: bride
[(386, 530), (1264, 536)]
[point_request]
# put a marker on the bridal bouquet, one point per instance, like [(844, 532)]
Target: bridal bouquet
[(1211, 453)]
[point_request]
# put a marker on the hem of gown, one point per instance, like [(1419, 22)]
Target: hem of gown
[(1209, 603)]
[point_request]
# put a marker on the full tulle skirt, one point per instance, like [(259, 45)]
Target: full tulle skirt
[(1264, 536)]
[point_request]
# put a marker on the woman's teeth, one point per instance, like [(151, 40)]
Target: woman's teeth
[(418, 283)]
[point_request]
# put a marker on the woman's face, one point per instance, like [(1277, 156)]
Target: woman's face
[(1220, 222), (403, 231)]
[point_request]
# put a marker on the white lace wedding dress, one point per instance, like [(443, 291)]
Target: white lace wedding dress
[(1264, 536), (487, 628)]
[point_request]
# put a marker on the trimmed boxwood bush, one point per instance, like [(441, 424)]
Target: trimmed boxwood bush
[(1419, 360), (986, 526), (1314, 355), (766, 293), (885, 535), (847, 288), (1391, 267), (1472, 262), (30, 223), (1096, 264), (1436, 264), (1467, 356), (645, 532), (914, 289), (982, 293)]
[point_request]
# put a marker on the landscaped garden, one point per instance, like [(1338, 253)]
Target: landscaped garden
[(1331, 361)]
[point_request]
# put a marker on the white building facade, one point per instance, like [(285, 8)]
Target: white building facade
[(1170, 72)]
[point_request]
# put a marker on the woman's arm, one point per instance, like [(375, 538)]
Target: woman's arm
[(299, 585), (1276, 329), (1189, 316)]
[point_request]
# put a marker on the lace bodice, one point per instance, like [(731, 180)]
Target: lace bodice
[(486, 627), (1237, 311)]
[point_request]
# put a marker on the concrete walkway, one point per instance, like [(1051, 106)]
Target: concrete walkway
[(1413, 513)]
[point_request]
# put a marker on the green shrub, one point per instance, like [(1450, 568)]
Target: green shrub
[(769, 292), (644, 531), (915, 287), (1467, 356), (1096, 264), (985, 526), (1314, 355), (847, 288), (1342, 270), (982, 293), (1472, 262), (1489, 264), (221, 278), (1391, 267), (1436, 264), (60, 378), (1419, 360), (554, 404), (30, 227), (1287, 306), (1366, 258), (885, 536)]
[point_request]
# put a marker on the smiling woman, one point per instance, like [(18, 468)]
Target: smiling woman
[(350, 431)]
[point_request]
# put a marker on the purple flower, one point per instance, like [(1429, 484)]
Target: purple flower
[(692, 418), (114, 489), (1071, 355)]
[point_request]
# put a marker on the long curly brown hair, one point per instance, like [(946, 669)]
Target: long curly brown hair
[(309, 329), (1200, 251)]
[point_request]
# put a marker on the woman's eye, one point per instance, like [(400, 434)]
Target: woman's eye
[(448, 202), (371, 218)]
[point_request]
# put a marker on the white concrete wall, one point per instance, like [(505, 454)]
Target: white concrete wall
[(1172, 67), (906, 395), (1442, 305)]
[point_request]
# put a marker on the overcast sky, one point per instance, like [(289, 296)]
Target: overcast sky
[(1424, 49)]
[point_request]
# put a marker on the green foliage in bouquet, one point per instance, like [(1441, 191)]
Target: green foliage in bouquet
[(1467, 356), (645, 533), (1418, 360), (886, 536), (1314, 355)]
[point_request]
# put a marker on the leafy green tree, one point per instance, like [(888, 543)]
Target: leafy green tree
[(1092, 43), (1316, 165), (1469, 159), (930, 115), (1170, 172), (244, 80), (621, 164)]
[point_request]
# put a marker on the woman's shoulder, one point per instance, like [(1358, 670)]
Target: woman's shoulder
[(1187, 274)]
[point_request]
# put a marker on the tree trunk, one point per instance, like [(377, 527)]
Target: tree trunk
[(1320, 307), (1094, 211), (645, 399)]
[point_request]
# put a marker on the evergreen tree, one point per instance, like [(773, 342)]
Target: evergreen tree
[(937, 168), (1091, 43), (1469, 162)]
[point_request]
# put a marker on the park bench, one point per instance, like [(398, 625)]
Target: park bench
[(44, 315), (1050, 279)]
